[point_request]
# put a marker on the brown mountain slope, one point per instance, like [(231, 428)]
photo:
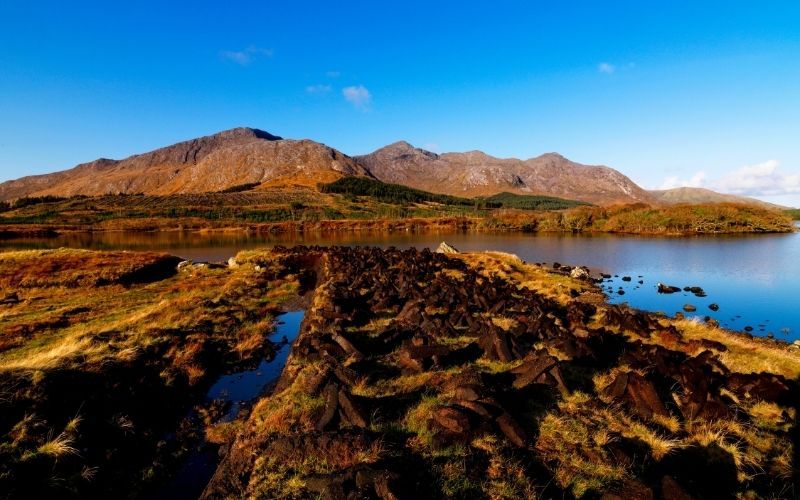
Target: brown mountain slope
[(691, 195), (206, 164), (475, 173)]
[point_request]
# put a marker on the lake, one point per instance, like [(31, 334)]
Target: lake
[(755, 279)]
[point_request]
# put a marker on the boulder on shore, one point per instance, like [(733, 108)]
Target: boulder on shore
[(580, 273), (445, 248)]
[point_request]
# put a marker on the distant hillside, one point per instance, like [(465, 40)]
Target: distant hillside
[(528, 202), (389, 193), (397, 193), (217, 162), (478, 174), (697, 196)]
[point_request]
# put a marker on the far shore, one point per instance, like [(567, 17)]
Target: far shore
[(416, 225)]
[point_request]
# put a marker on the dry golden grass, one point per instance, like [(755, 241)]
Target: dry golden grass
[(58, 447), (745, 354), (74, 317), (116, 323), (70, 267), (530, 276)]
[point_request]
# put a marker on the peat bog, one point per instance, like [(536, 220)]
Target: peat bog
[(413, 374)]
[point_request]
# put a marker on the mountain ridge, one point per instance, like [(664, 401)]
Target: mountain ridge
[(475, 173), (244, 155), (209, 163)]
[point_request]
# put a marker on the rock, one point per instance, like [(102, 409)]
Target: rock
[(580, 273), (315, 381), (452, 419), (417, 358), (331, 404), (348, 347), (384, 489), (616, 389), (539, 368), (232, 263), (758, 386), (638, 392), (476, 408), (629, 489), (712, 344), (468, 392), (713, 307), (512, 430), (10, 298), (184, 264), (445, 248), (351, 411), (671, 490), (748, 328), (662, 288), (626, 278), (689, 308)]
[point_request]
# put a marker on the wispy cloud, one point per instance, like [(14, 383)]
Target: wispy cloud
[(333, 74), (761, 179), (319, 88), (606, 68), (246, 56), (697, 180), (359, 96)]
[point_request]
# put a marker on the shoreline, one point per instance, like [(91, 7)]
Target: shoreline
[(449, 224)]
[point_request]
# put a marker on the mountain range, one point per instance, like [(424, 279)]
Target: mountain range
[(244, 156)]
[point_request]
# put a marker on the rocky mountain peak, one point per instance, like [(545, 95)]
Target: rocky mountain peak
[(403, 149), (246, 132)]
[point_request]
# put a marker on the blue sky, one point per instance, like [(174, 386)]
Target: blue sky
[(669, 93)]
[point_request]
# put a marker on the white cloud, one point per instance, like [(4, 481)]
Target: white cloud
[(318, 89), (697, 180), (606, 68), (762, 179), (358, 96), (246, 56)]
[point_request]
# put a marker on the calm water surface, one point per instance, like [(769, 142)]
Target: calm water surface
[(755, 279), (238, 389)]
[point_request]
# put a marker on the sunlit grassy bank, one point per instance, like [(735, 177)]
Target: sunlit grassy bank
[(101, 355)]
